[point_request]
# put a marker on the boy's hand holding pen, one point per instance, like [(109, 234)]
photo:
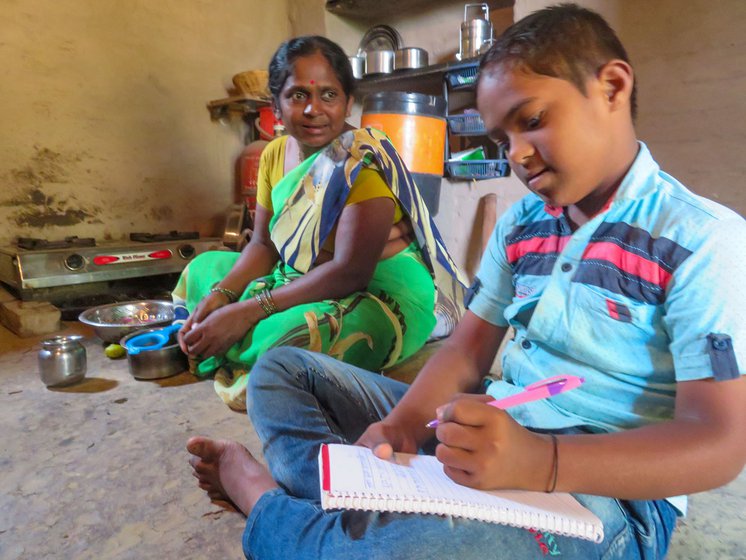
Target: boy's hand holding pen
[(480, 446), (483, 447)]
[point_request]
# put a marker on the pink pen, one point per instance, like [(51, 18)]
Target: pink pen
[(534, 392)]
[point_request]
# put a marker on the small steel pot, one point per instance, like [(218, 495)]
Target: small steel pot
[(155, 364), (62, 361), (379, 62), (358, 65), (410, 58)]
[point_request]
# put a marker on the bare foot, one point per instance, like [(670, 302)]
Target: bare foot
[(228, 472)]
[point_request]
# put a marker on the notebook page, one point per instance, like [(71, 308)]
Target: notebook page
[(355, 471)]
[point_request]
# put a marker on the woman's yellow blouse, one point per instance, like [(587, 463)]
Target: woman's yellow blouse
[(369, 183)]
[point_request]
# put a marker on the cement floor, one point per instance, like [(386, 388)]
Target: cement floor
[(99, 470)]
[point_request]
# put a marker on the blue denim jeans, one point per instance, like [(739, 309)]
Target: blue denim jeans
[(298, 400)]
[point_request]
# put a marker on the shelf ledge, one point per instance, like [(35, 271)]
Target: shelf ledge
[(242, 103)]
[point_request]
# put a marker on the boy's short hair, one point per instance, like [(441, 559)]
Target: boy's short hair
[(563, 41)]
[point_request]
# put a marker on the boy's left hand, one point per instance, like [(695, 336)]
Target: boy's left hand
[(483, 447)]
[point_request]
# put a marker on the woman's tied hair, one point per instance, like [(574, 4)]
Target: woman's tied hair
[(563, 41), (288, 52)]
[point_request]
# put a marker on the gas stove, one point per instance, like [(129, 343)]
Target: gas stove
[(81, 272)]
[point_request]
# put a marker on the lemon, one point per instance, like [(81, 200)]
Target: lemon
[(115, 351)]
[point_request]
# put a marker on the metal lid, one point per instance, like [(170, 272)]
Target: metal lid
[(405, 102), (62, 341)]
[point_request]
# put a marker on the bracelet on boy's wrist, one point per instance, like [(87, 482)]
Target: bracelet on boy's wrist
[(230, 294), (555, 466)]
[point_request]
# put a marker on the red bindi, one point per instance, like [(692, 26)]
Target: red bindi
[(312, 82)]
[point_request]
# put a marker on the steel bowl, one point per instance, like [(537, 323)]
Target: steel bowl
[(379, 62), (155, 364), (113, 321), (410, 58), (357, 63)]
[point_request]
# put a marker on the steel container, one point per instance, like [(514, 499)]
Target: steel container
[(62, 361), (410, 58), (358, 65), (379, 62), (155, 364), (475, 34)]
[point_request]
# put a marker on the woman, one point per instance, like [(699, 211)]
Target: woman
[(331, 265)]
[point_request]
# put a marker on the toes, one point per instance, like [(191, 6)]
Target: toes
[(202, 470), (200, 464), (196, 445)]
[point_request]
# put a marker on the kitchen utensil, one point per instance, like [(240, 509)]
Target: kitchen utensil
[(380, 38), (358, 65), (155, 364), (476, 33), (378, 46), (236, 222), (62, 361), (153, 339), (113, 321), (379, 62), (410, 58)]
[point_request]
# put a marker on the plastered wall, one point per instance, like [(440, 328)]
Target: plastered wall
[(105, 128)]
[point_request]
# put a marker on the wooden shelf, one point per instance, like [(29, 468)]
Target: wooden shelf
[(241, 104), (380, 9), (367, 9), (423, 80)]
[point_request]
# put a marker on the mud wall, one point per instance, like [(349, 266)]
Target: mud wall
[(105, 128)]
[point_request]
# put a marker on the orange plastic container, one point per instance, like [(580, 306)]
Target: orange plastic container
[(416, 124)]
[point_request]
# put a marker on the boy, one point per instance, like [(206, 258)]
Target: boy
[(610, 269)]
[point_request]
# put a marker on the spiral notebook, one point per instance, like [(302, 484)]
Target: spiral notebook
[(351, 477)]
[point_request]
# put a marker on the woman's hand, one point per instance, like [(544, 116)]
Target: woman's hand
[(483, 447), (384, 438), (220, 330), (209, 303)]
